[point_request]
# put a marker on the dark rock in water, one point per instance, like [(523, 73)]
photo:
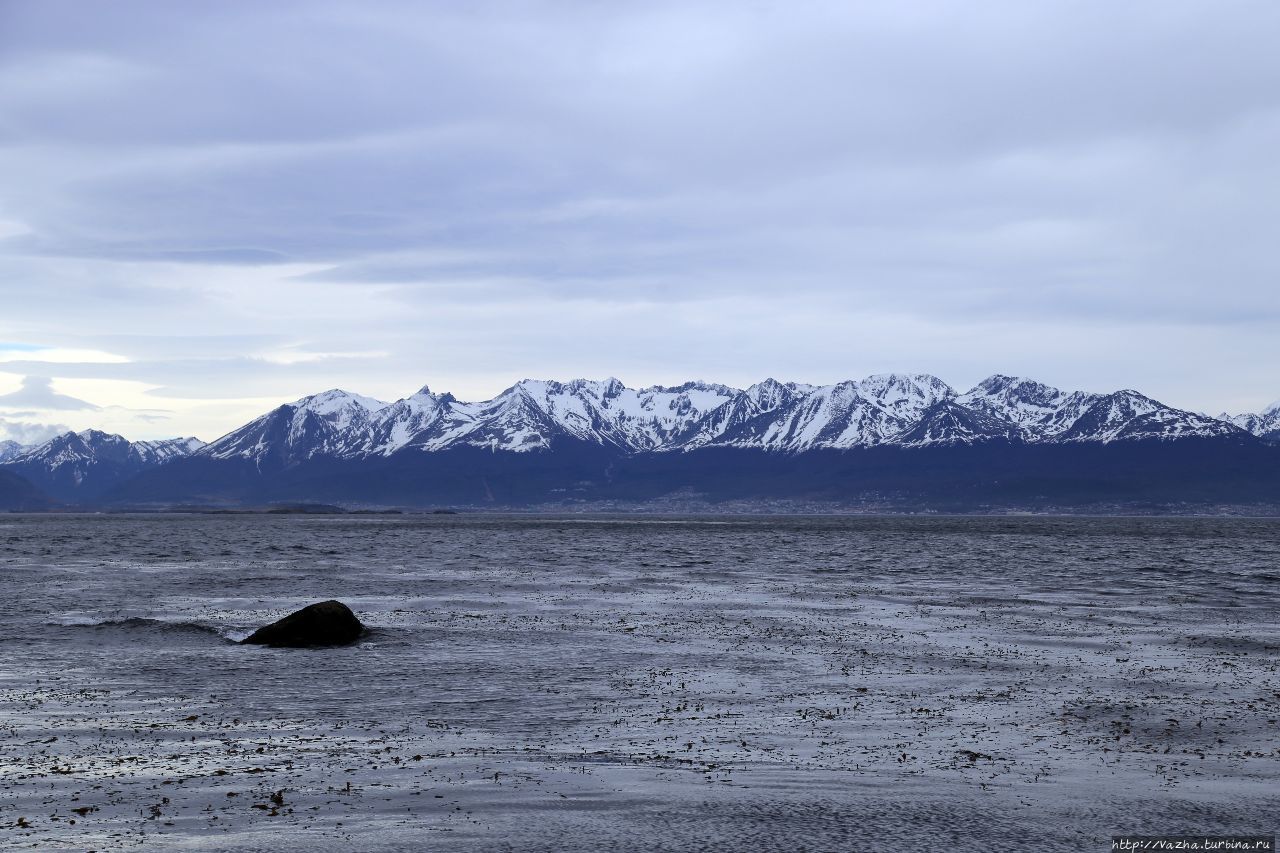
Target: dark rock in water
[(326, 623)]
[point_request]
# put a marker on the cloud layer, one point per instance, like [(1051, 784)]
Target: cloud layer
[(37, 393), (227, 205)]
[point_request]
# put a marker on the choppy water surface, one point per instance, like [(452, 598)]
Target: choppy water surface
[(638, 683)]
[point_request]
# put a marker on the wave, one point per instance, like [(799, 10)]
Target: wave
[(146, 626), (140, 626), (386, 638)]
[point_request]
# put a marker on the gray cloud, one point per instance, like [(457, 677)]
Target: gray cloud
[(1084, 192), (27, 432), (37, 393)]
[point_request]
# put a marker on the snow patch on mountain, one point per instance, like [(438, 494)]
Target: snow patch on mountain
[(1265, 424), (905, 395), (336, 401), (10, 449), (844, 415), (742, 409), (948, 424), (1128, 415), (1028, 404), (165, 450)]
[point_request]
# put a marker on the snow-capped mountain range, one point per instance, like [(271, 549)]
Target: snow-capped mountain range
[(91, 445), (67, 463), (913, 410), (1265, 424), (570, 433), (904, 410)]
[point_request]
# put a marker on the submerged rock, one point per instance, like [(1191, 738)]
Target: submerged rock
[(326, 623)]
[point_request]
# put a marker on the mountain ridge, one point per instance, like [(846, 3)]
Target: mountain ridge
[(879, 409)]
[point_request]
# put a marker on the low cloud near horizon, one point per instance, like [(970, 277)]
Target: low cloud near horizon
[(208, 209)]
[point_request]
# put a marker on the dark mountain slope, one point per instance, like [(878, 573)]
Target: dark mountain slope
[(18, 494)]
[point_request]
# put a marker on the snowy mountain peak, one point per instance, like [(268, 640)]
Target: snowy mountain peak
[(10, 449), (770, 393), (421, 398), (1265, 424), (163, 450), (598, 388), (996, 383), (335, 400), (96, 436), (895, 390), (1013, 387), (699, 385), (1036, 409), (1129, 415)]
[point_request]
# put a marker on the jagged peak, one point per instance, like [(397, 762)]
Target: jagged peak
[(999, 382), (769, 393), (608, 387), (539, 385), (91, 435), (180, 440), (527, 388), (771, 383), (845, 389), (1126, 399), (10, 449), (424, 395), (766, 386), (924, 385), (894, 377), (692, 385), (1130, 394)]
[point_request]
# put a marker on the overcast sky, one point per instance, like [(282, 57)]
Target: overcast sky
[(207, 209)]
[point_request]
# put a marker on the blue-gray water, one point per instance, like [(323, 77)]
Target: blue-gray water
[(569, 683)]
